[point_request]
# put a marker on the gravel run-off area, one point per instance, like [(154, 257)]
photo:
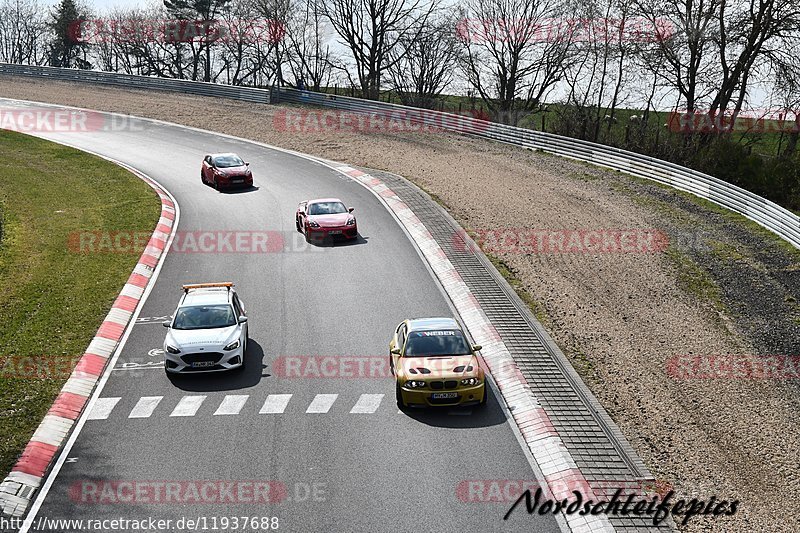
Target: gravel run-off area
[(722, 286)]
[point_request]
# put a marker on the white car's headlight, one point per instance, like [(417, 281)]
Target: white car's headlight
[(172, 349), (351, 221), (313, 224), (232, 346)]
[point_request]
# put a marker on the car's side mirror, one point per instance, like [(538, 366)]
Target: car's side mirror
[(246, 164), (350, 209), (477, 347), (166, 323), (396, 351), (242, 319)]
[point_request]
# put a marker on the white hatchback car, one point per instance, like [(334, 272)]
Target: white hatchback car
[(208, 331)]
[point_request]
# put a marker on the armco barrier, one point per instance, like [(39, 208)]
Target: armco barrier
[(760, 210), (128, 81)]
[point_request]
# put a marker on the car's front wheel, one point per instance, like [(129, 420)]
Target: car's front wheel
[(297, 225), (399, 396), (482, 403)]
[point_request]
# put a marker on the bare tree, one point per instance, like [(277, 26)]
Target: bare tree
[(685, 54), (750, 39), (311, 59), (23, 32), (249, 43), (191, 12), (424, 65), (372, 31), (515, 51)]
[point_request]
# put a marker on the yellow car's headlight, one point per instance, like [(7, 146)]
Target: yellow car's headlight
[(471, 381), (413, 384)]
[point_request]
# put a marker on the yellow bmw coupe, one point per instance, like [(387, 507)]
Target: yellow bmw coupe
[(435, 365)]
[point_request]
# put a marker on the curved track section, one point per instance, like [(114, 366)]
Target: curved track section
[(334, 453)]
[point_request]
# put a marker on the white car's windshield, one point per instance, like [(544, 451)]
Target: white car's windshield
[(204, 317)]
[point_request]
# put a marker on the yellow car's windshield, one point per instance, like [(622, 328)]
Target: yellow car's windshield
[(441, 342)]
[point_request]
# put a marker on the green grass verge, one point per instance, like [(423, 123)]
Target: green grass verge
[(52, 299)]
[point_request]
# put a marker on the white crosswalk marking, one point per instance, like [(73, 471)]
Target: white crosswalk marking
[(145, 406), (322, 403), (367, 403), (231, 405), (275, 404), (188, 406), (102, 408)]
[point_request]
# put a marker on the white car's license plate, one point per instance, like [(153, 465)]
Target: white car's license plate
[(335, 232), (202, 364), (443, 395)]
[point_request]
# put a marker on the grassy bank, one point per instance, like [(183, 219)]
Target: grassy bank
[(52, 299)]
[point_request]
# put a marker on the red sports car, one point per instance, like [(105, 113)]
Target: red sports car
[(226, 171), (326, 217)]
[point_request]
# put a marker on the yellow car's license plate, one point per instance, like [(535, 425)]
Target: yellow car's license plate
[(443, 395)]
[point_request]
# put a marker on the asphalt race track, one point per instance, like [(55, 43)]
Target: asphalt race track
[(375, 469)]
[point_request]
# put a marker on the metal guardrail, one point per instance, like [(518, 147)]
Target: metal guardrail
[(768, 214), (129, 81)]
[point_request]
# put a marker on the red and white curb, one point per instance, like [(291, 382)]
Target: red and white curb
[(551, 455), (19, 487)]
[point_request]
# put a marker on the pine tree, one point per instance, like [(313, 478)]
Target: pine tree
[(65, 50)]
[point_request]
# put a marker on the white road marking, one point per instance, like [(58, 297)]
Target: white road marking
[(231, 405), (275, 404), (145, 406), (188, 406), (367, 403), (322, 403), (102, 408)]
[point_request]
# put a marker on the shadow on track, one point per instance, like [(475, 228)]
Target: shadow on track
[(242, 378), (460, 417)]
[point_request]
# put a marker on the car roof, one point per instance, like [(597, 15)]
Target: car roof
[(207, 296), (319, 200), (429, 324), (224, 154)]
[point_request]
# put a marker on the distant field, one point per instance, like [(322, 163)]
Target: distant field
[(763, 138), (52, 299)]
